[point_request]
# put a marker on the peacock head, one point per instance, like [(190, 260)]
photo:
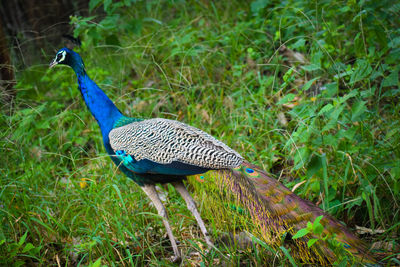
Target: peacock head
[(66, 56), (62, 57)]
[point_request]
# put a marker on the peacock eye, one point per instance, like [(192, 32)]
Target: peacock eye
[(61, 56)]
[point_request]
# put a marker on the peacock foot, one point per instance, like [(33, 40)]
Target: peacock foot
[(175, 259)]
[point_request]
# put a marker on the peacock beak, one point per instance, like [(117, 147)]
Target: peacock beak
[(52, 64)]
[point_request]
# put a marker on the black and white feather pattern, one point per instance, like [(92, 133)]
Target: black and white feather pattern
[(167, 141)]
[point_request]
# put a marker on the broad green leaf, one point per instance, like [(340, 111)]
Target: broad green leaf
[(258, 5), (343, 74), (358, 109), (299, 43), (28, 247), (331, 89), (326, 108), (107, 4), (318, 219), (287, 98), (43, 124), (362, 70), (348, 96), (97, 263), (301, 156), (22, 240), (301, 233), (315, 187), (308, 84), (135, 25), (311, 67), (314, 166), (392, 92), (288, 76), (316, 58), (93, 4), (94, 35), (395, 42), (108, 23), (318, 228), (347, 133), (391, 80), (311, 242)]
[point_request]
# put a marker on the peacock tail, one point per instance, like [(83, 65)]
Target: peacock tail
[(278, 214)]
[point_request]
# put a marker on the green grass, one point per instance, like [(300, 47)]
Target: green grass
[(222, 68)]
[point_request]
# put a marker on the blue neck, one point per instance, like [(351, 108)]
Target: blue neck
[(101, 107)]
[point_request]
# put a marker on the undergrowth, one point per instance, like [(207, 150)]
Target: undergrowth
[(308, 90)]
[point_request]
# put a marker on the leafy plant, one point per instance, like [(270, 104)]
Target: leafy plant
[(18, 253)]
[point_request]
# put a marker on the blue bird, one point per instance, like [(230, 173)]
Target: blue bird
[(166, 151)]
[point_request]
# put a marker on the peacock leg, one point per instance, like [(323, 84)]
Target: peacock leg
[(151, 192), (191, 205)]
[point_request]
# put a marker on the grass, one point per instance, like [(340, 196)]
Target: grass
[(325, 119)]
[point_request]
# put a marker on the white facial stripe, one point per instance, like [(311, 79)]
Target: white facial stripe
[(63, 53)]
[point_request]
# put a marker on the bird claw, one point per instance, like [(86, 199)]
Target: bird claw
[(175, 258)]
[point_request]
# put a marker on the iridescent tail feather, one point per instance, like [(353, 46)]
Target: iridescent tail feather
[(278, 212)]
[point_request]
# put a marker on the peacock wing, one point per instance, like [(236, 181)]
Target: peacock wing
[(167, 141)]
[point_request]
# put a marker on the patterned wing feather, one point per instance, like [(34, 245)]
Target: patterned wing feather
[(166, 141)]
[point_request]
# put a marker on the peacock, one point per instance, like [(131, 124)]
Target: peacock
[(152, 151)]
